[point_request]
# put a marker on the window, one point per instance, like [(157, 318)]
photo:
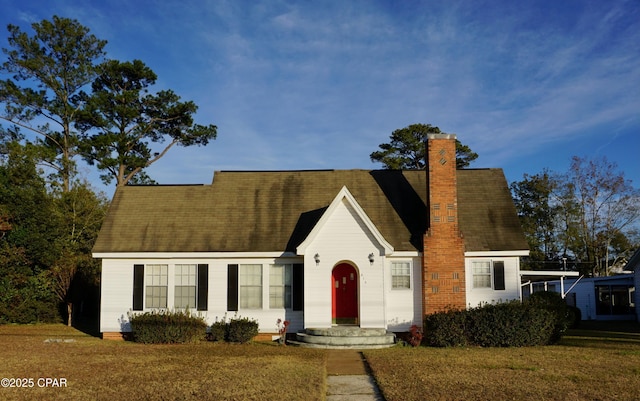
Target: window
[(400, 275), (614, 300), (481, 274), (280, 278), (185, 286), (156, 286), (488, 274), (251, 286)]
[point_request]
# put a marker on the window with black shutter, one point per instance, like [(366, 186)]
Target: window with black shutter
[(298, 287), (203, 287), (138, 287), (232, 287), (498, 275)]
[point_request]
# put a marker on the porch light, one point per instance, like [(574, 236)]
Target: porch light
[(316, 257), (371, 258)]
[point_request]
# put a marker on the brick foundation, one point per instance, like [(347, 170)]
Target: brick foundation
[(117, 336), (443, 270)]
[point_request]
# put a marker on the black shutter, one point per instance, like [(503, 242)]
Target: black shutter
[(498, 275), (203, 286), (138, 286), (298, 286), (232, 287)]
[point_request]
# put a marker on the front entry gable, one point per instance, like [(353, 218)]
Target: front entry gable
[(345, 206)]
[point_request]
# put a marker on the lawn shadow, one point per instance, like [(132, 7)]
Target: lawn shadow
[(88, 325), (627, 332)]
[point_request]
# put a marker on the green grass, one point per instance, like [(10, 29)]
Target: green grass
[(591, 363)]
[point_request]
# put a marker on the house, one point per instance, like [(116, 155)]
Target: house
[(598, 298), (601, 298), (372, 249)]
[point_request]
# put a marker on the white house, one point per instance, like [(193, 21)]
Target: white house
[(601, 298), (375, 249)]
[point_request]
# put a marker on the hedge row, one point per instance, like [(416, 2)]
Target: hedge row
[(236, 330), (167, 327), (540, 320), (171, 327)]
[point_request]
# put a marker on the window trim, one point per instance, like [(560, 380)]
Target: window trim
[(287, 297), (194, 301), (493, 284), (148, 272), (410, 275), (142, 284), (247, 286)]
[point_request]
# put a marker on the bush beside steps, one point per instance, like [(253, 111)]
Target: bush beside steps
[(236, 330)]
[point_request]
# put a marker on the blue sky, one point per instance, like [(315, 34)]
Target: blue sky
[(319, 85)]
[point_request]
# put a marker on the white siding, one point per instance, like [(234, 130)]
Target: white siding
[(117, 293), (404, 306), (344, 238), (479, 296)]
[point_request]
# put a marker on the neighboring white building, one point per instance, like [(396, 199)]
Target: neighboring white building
[(600, 298), (317, 248)]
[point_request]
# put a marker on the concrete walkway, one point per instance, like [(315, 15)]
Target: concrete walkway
[(348, 378)]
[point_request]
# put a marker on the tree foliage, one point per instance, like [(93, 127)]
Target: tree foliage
[(81, 212), (534, 200), (58, 88), (28, 241), (587, 215), (45, 246), (406, 150), (128, 120), (44, 94), (606, 205)]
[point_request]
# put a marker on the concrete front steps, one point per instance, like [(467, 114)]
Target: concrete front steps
[(344, 337)]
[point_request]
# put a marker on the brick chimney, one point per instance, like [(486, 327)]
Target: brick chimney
[(443, 255)]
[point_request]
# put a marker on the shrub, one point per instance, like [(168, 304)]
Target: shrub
[(236, 330), (166, 327), (509, 324), (218, 331), (554, 303), (445, 329), (242, 330)]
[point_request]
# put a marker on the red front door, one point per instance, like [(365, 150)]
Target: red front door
[(344, 294)]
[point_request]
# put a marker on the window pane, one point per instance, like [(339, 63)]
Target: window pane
[(156, 286), (481, 274), (400, 275), (185, 286), (276, 277), (251, 286), (280, 278), (276, 297), (251, 297)]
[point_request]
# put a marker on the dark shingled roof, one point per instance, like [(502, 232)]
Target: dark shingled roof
[(248, 211)]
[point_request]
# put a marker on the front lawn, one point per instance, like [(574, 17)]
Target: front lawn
[(586, 365), (96, 369)]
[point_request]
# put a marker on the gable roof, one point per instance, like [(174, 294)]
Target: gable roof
[(634, 262), (266, 211), (345, 195)]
